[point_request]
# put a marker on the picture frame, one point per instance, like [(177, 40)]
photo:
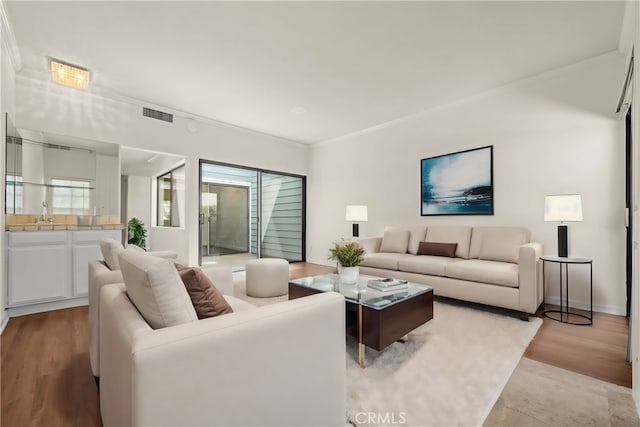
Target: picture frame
[(459, 183)]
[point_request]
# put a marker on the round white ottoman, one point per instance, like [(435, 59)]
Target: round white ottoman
[(267, 277)]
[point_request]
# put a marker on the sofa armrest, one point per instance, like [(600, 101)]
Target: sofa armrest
[(530, 277), (99, 275), (286, 362), (222, 278), (370, 245)]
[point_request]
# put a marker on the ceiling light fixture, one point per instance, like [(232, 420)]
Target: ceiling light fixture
[(69, 75)]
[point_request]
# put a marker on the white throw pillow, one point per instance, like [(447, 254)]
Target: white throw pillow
[(395, 241), (111, 248), (154, 286)]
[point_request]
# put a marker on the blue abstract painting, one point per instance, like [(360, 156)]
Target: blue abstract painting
[(458, 183)]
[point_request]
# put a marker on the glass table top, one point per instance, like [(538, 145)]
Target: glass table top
[(360, 293)]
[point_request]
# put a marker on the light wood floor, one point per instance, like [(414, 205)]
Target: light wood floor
[(598, 351), (46, 379)]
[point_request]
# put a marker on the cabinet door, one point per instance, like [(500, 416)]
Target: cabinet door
[(85, 248), (38, 273), (82, 254)]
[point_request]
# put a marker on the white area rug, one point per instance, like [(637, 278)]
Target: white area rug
[(450, 372)]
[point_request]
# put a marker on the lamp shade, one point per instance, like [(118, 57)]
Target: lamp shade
[(564, 207), (356, 213)]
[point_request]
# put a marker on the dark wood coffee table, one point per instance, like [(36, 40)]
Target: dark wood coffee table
[(377, 319)]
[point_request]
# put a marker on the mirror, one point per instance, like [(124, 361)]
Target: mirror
[(60, 175)]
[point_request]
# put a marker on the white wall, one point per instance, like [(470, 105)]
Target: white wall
[(52, 108), (551, 134), (107, 199), (170, 239), (139, 201)]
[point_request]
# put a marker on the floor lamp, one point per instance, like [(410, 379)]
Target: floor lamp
[(355, 214), (564, 207)]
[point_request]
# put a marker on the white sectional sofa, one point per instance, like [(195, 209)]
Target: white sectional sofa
[(256, 366), (496, 266)]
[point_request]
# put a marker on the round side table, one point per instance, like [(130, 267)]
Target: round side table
[(565, 314)]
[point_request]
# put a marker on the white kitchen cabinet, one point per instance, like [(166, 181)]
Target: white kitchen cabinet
[(49, 269), (38, 267), (86, 247)]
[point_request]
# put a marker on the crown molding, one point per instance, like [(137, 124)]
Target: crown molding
[(9, 40)]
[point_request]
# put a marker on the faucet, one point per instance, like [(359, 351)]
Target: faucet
[(44, 219)]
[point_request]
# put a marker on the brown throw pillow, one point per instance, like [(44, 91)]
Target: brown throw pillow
[(437, 249), (207, 300)]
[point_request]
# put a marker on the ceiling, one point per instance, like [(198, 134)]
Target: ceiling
[(138, 162), (309, 71)]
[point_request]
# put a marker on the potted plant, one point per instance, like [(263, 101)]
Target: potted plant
[(349, 255), (137, 233)]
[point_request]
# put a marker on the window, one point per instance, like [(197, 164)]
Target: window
[(13, 195), (171, 198), (70, 196)]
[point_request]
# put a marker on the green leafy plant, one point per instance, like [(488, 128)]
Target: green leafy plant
[(348, 254), (137, 232)]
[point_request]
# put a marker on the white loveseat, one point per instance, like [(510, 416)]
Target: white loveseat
[(107, 271), (100, 275), (496, 266), (281, 364)]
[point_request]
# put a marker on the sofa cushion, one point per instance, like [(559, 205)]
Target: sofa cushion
[(386, 260), (395, 241), (427, 264), (451, 234), (498, 243), (416, 235), (156, 289), (438, 249), (206, 299), (111, 248), (476, 270)]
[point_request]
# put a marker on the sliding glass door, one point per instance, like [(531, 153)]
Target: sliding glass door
[(225, 219), (282, 216), (249, 213)]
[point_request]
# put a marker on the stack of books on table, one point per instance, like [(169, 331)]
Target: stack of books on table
[(388, 285)]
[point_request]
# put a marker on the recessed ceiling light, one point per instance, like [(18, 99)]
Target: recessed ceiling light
[(298, 110), (69, 75)]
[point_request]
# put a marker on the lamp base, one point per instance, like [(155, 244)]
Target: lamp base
[(355, 230), (562, 241)]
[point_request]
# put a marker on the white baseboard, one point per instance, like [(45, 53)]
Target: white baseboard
[(46, 306), (608, 309), (4, 319)]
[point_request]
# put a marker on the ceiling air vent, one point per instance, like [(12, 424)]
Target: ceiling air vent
[(158, 115)]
